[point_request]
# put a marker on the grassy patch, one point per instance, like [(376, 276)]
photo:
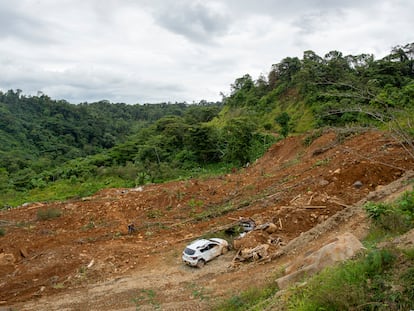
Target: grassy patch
[(363, 282), (73, 188), (195, 203), (89, 226), (62, 190), (155, 213), (145, 297), (392, 219), (321, 162), (251, 299), (198, 292), (409, 253)]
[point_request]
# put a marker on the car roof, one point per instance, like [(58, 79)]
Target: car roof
[(201, 243)]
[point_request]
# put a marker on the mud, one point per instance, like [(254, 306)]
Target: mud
[(86, 260)]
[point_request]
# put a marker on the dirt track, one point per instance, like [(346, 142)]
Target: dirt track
[(85, 260)]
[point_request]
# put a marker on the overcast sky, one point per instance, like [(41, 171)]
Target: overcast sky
[(147, 51)]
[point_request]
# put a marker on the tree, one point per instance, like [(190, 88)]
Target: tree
[(336, 66), (244, 83), (311, 72), (284, 71), (237, 136), (202, 140)]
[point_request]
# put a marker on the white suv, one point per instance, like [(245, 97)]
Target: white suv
[(200, 251)]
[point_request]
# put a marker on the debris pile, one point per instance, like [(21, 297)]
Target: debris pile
[(256, 244)]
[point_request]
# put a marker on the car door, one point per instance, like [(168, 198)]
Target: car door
[(213, 251)]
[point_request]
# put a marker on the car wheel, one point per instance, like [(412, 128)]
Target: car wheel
[(224, 250), (201, 263)]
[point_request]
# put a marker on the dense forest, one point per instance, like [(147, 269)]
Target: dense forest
[(52, 149)]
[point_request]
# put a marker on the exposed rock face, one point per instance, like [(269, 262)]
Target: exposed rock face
[(343, 247)]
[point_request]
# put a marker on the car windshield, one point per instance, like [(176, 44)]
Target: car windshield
[(189, 251)]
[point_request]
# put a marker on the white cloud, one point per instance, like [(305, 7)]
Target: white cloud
[(199, 21), (178, 50)]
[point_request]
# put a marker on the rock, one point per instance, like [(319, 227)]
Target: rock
[(343, 247), (272, 228), (358, 184), (323, 182), (268, 227)]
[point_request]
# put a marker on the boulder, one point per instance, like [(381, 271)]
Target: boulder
[(272, 228), (340, 249)]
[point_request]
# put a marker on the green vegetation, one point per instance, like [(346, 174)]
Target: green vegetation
[(155, 213), (368, 283), (283, 120), (146, 296), (2, 231), (252, 299), (379, 279), (52, 150), (393, 219), (198, 292)]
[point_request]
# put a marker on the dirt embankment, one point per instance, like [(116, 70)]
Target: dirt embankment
[(86, 260)]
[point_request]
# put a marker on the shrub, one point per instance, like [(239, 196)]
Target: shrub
[(377, 261), (396, 218), (408, 281), (406, 203), (248, 300), (394, 222), (375, 210)]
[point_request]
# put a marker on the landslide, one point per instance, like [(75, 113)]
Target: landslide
[(87, 253)]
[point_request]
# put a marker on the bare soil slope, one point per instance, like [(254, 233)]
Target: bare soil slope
[(86, 260)]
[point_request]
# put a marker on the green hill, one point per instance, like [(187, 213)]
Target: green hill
[(53, 149)]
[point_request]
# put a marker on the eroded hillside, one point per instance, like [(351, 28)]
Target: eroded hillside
[(86, 260)]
